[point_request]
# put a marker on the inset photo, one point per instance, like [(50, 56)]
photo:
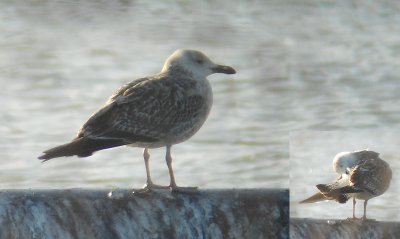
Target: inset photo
[(345, 175)]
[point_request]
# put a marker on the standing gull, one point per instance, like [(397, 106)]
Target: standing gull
[(151, 112), (362, 175)]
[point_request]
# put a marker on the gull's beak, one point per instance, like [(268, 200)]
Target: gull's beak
[(223, 69)]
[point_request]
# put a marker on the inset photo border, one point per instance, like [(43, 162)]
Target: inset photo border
[(311, 157)]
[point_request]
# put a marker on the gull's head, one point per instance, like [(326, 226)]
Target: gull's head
[(343, 162), (196, 63)]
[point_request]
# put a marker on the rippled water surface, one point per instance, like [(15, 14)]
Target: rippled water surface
[(302, 65)]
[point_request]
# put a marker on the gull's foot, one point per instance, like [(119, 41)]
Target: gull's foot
[(149, 187), (141, 190), (183, 189), (155, 186), (364, 219), (352, 219)]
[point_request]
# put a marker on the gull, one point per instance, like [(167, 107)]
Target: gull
[(151, 112), (362, 175)]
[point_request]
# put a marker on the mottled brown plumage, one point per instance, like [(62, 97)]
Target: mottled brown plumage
[(151, 112)]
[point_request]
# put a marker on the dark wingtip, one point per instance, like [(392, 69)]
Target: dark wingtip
[(322, 187), (342, 198), (43, 158), (350, 189)]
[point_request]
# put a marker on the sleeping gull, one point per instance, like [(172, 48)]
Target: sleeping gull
[(362, 175), (151, 112)]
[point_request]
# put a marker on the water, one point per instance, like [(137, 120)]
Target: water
[(302, 65)]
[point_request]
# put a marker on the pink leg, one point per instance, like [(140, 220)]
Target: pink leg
[(172, 184), (149, 182), (365, 210)]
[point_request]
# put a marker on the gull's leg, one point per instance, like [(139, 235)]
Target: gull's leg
[(172, 184), (354, 207), (365, 210), (149, 182)]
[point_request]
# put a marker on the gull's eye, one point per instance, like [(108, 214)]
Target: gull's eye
[(199, 61)]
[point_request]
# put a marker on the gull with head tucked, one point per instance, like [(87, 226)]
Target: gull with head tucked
[(151, 112), (362, 175)]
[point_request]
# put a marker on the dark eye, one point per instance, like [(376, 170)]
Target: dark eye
[(199, 61)]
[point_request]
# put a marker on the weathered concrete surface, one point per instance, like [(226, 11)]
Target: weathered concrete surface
[(343, 229), (78, 213)]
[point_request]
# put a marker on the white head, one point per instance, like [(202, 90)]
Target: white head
[(343, 162), (196, 63)]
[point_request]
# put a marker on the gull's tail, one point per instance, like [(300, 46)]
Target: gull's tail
[(82, 147)]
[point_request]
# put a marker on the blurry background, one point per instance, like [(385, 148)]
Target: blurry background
[(311, 156), (319, 65)]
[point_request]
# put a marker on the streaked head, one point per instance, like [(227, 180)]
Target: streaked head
[(196, 63)]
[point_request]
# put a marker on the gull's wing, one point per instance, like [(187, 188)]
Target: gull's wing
[(144, 111), (363, 155), (372, 176)]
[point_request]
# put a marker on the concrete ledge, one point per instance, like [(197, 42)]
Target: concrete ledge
[(78, 213), (343, 229)]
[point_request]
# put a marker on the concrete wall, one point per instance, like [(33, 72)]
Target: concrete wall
[(78, 213), (343, 229)]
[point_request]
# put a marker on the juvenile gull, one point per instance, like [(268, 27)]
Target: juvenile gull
[(362, 175), (151, 112)]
